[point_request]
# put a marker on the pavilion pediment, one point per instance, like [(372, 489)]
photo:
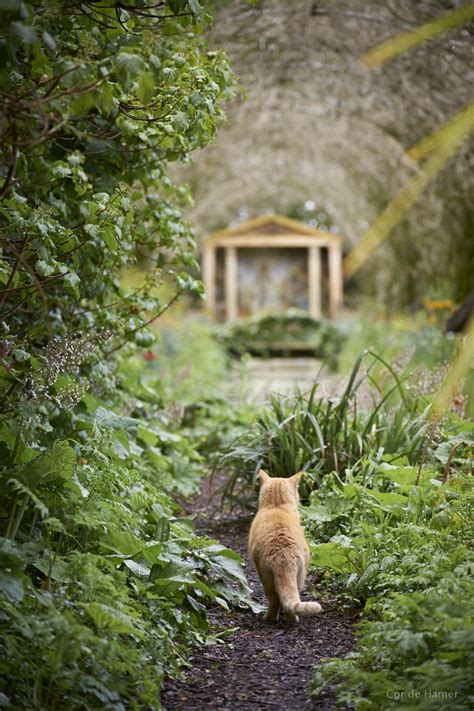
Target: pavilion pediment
[(271, 226), (268, 228)]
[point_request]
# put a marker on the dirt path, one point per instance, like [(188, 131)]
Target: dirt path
[(261, 666)]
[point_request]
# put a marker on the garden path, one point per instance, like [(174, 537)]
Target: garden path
[(255, 379), (260, 666)]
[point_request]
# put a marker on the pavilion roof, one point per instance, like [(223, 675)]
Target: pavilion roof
[(272, 226)]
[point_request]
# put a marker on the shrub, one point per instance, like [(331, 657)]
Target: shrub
[(97, 103), (283, 333), (103, 584)]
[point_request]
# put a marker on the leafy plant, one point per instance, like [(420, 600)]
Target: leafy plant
[(419, 653), (406, 341), (319, 436), (97, 103), (398, 546), (388, 516), (105, 585)]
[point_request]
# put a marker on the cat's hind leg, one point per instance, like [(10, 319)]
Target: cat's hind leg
[(266, 577), (301, 575), (273, 611)]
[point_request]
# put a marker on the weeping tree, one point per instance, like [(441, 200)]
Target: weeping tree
[(319, 125)]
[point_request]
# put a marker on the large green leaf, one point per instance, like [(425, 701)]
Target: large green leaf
[(181, 572), (108, 618), (11, 586), (331, 555), (54, 466), (110, 420)]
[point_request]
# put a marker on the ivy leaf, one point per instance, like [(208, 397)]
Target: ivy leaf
[(195, 7), (146, 87), (180, 122)]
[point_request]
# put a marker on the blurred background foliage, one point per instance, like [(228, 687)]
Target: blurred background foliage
[(317, 125)]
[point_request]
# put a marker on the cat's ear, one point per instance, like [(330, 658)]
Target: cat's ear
[(263, 476), (295, 479)]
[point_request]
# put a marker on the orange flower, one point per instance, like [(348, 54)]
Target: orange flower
[(438, 304), (149, 356)]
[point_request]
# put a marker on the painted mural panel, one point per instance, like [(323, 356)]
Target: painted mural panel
[(273, 278)]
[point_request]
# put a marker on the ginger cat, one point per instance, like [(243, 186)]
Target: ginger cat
[(279, 549)]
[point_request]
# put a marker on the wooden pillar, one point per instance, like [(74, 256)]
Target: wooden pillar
[(314, 281), (209, 277), (231, 284), (335, 279)]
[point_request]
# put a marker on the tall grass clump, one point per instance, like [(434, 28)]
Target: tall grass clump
[(318, 436)]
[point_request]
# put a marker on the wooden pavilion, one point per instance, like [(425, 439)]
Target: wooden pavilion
[(272, 262)]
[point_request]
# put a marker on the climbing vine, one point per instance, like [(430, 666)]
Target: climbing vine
[(98, 98)]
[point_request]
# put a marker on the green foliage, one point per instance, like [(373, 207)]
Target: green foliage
[(104, 585), (411, 340), (188, 369), (397, 544), (419, 654), (189, 361), (215, 423), (388, 516), (293, 330)]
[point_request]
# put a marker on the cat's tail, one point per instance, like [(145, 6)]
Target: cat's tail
[(287, 589)]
